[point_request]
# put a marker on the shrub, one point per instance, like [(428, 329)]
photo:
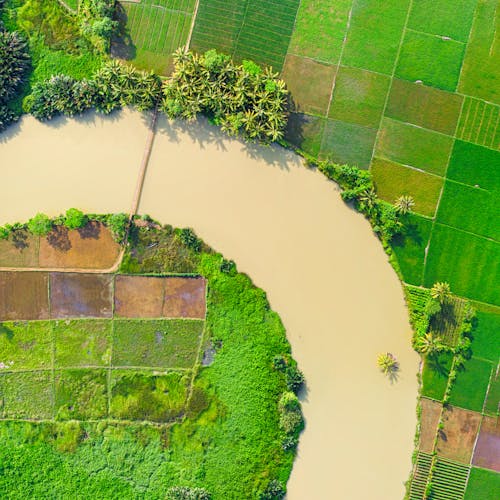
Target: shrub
[(75, 219), (187, 493), (4, 232), (118, 224), (288, 402), (40, 225), (275, 490), (294, 379), (189, 238)]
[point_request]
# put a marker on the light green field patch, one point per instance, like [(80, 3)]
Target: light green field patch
[(469, 263), (430, 59), (475, 165), (392, 180), (479, 123), (315, 96), (492, 405), (442, 17), (320, 28), (375, 34), (28, 395), (82, 342), (359, 97), (305, 132), (414, 146), (81, 394), (480, 75), (483, 484), (485, 334), (409, 248), (156, 343), (471, 209), (348, 143), (435, 375), (469, 389), (25, 345), (424, 106)]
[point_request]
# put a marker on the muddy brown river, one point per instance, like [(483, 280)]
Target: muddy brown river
[(323, 269)]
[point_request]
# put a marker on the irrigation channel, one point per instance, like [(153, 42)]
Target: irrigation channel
[(323, 269)]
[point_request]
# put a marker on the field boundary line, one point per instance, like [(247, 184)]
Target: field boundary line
[(474, 17), (191, 29), (442, 37), (468, 232)]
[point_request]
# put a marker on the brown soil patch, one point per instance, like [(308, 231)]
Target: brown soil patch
[(19, 250), (23, 295), (139, 296), (90, 247), (184, 298), (75, 295), (431, 411), (487, 453), (456, 439)]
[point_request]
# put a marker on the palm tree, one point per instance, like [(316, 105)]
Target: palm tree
[(368, 200), (387, 363), (429, 345), (404, 204), (441, 292)]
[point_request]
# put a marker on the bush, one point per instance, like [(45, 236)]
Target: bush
[(186, 493), (189, 238), (118, 224), (75, 218), (288, 402), (40, 225), (275, 490), (294, 379), (4, 232)]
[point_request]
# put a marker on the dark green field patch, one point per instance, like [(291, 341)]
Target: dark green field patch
[(424, 106), (145, 396), (414, 146), (473, 165), (162, 344), (315, 96), (305, 132), (392, 180), (481, 72), (486, 333), (374, 34), (469, 263), (470, 209), (359, 97), (82, 342), (81, 394), (348, 143), (469, 388), (25, 345), (431, 59), (435, 375), (436, 17), (319, 29), (28, 395), (492, 406), (483, 485), (409, 248)]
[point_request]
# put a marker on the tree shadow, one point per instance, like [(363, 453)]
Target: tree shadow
[(411, 232), (437, 364), (122, 46), (5, 330), (20, 239), (58, 238), (91, 230)]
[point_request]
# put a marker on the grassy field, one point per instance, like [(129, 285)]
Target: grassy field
[(483, 484)]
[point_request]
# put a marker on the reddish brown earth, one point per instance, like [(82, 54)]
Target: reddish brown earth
[(184, 298), (431, 411), (23, 296), (487, 452), (78, 295), (457, 438), (139, 296)]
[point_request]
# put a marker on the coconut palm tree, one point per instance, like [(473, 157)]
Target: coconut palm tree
[(404, 204), (429, 345), (388, 363), (441, 292)]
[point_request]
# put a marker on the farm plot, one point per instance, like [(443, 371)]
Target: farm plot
[(480, 123), (456, 439), (184, 298), (447, 324), (139, 296), (492, 404), (151, 30), (305, 131), (20, 249), (485, 335), (435, 375), (483, 484), (420, 476), (480, 76), (486, 451), (449, 480), (258, 30), (431, 412)]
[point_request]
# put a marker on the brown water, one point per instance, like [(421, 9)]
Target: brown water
[(324, 271)]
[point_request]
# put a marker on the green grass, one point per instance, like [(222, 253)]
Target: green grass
[(28, 395), (152, 30), (483, 485), (305, 132), (393, 180), (414, 146), (258, 30), (374, 34), (424, 106), (473, 165), (81, 394), (485, 334), (82, 342), (26, 345), (163, 344), (359, 97), (480, 75), (429, 58), (319, 29), (410, 248), (348, 143), (479, 123), (470, 264), (492, 406), (470, 209), (439, 17), (435, 376)]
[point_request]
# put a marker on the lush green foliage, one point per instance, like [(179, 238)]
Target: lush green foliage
[(243, 99), (40, 225), (75, 218)]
